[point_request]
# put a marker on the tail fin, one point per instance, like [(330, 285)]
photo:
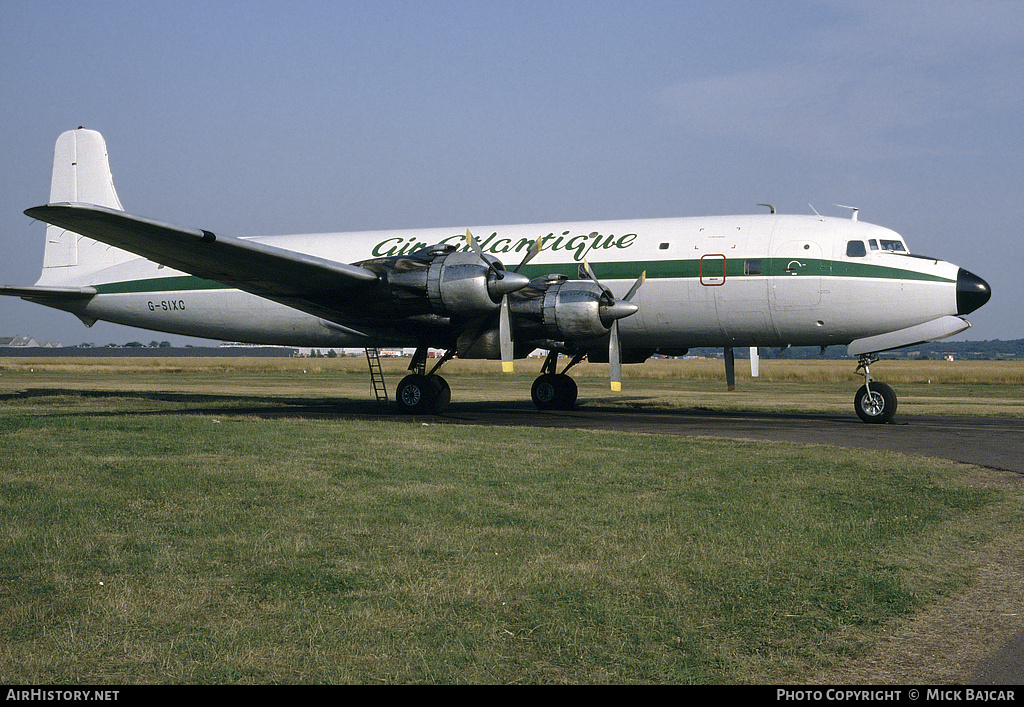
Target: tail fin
[(81, 173)]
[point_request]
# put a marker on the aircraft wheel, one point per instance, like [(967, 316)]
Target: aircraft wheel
[(567, 392), (878, 407), (423, 395), (444, 394), (554, 392)]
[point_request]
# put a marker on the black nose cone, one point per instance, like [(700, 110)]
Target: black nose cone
[(971, 292)]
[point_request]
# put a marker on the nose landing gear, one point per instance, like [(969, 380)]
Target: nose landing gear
[(875, 402)]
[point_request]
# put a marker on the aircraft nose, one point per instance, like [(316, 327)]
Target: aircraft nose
[(971, 292)]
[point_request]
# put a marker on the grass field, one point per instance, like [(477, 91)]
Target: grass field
[(147, 540), (923, 387)]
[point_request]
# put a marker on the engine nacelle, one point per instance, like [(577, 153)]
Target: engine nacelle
[(458, 284), (441, 281), (560, 309)]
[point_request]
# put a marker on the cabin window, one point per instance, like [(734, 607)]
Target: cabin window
[(894, 246), (663, 246), (752, 267), (856, 249)]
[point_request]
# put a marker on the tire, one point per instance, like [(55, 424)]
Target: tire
[(553, 391), (879, 407), (567, 392), (417, 395), (444, 394), (545, 391)]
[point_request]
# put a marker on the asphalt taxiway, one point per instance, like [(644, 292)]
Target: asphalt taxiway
[(990, 442)]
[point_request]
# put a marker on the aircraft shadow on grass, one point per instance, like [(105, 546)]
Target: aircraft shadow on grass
[(625, 414)]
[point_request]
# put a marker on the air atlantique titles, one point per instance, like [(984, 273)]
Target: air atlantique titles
[(579, 246)]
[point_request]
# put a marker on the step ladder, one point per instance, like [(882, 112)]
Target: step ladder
[(376, 375)]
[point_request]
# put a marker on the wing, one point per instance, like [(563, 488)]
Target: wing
[(305, 282)]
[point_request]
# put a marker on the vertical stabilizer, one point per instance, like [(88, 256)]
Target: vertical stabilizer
[(81, 173), (81, 170)]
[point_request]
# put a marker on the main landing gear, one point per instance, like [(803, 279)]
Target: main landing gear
[(426, 393), (875, 402), (555, 391), (422, 393)]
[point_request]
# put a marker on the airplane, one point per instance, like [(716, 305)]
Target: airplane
[(615, 292)]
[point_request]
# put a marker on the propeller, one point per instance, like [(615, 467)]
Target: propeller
[(509, 282), (611, 311)]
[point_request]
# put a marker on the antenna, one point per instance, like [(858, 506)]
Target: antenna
[(853, 216), (770, 207), (820, 218)]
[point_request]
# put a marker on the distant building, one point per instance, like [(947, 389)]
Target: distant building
[(18, 341), (27, 342)]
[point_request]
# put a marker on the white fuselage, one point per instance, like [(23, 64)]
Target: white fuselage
[(768, 280)]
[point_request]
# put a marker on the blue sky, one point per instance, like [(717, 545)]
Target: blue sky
[(253, 118)]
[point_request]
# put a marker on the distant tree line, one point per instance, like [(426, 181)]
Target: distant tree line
[(994, 350)]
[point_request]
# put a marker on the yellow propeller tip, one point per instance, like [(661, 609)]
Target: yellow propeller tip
[(506, 366), (616, 387)]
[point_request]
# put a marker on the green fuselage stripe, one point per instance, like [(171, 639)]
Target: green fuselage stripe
[(710, 266), (160, 284)]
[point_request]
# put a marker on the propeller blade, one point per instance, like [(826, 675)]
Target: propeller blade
[(475, 245), (615, 358), (586, 271), (755, 362), (535, 248), (636, 286), (730, 368), (505, 335)]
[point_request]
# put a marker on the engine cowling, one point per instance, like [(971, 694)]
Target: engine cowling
[(445, 281), (560, 309), (457, 284)]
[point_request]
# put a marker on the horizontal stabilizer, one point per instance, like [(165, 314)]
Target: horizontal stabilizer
[(254, 267), (929, 331), (49, 293)]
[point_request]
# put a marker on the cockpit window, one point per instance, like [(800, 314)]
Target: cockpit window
[(856, 249), (894, 246), (873, 243)]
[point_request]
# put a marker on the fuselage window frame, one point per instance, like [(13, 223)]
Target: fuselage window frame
[(856, 249)]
